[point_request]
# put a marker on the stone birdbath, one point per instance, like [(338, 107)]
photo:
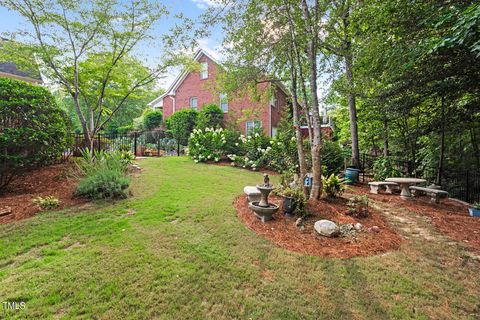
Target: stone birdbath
[(262, 209), (405, 184)]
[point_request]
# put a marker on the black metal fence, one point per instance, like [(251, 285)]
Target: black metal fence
[(153, 143), (460, 184)]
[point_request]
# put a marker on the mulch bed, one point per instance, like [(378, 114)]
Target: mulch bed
[(449, 217), (284, 233), (47, 181)]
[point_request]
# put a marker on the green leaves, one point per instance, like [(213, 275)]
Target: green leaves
[(33, 130)]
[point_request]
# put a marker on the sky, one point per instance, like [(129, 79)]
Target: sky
[(11, 21)]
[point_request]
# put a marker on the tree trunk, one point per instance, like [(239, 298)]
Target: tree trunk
[(312, 48), (83, 122), (385, 138), (348, 59), (353, 112), (442, 144), (296, 122)]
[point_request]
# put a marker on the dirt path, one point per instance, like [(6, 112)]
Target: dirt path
[(415, 226)]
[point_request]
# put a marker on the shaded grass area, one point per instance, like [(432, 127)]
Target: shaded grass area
[(176, 250)]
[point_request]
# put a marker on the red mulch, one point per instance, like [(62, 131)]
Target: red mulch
[(283, 232), (449, 217), (47, 181)]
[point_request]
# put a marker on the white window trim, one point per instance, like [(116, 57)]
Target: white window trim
[(191, 106), (273, 100), (253, 121), (202, 70), (226, 101)]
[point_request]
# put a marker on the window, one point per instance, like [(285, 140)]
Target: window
[(251, 126), (204, 71), (274, 132), (224, 102), (194, 103), (273, 100)]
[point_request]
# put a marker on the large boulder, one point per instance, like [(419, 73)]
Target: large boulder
[(327, 228)]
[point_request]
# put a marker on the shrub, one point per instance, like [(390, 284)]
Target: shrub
[(152, 119), (252, 150), (49, 202), (332, 157), (358, 206), (384, 168), (206, 145), (104, 184), (181, 124), (210, 116), (103, 175), (232, 138), (283, 155), (333, 186), (33, 128)]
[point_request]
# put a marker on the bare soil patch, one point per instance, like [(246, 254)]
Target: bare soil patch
[(284, 233), (47, 181), (449, 217)]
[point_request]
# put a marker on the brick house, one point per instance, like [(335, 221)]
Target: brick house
[(195, 89)]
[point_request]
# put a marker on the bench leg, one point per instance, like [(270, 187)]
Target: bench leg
[(435, 199), (374, 189), (389, 189)]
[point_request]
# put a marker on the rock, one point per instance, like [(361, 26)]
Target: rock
[(358, 226), (375, 229), (4, 211), (327, 228), (299, 222)]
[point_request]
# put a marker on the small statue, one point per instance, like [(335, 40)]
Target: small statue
[(266, 180)]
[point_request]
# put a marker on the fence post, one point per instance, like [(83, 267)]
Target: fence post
[(135, 143), (99, 142), (467, 188)]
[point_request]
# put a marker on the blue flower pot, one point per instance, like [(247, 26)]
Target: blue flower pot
[(474, 212), (351, 175)]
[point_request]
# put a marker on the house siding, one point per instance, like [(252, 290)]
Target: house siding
[(206, 91)]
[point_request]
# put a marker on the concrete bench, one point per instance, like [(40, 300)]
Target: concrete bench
[(375, 186), (252, 193), (435, 194)]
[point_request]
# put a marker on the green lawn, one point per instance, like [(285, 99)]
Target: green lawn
[(183, 254)]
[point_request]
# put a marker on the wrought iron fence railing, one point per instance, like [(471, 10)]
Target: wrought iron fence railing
[(460, 184), (153, 143)]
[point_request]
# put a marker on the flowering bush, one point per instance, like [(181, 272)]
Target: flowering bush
[(252, 150), (207, 144)]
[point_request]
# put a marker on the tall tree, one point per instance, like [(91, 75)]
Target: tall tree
[(71, 39)]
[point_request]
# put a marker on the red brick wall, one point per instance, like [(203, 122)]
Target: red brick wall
[(207, 92)]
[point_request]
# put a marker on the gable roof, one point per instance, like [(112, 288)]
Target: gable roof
[(179, 79), (10, 70)]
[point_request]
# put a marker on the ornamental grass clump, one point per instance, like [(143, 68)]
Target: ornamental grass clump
[(103, 175)]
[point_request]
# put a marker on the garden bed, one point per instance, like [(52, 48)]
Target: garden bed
[(284, 233), (47, 181), (450, 217)]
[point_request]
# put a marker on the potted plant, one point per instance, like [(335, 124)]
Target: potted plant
[(475, 210), (288, 195)]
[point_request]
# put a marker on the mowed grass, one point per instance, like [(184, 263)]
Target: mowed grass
[(183, 254)]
